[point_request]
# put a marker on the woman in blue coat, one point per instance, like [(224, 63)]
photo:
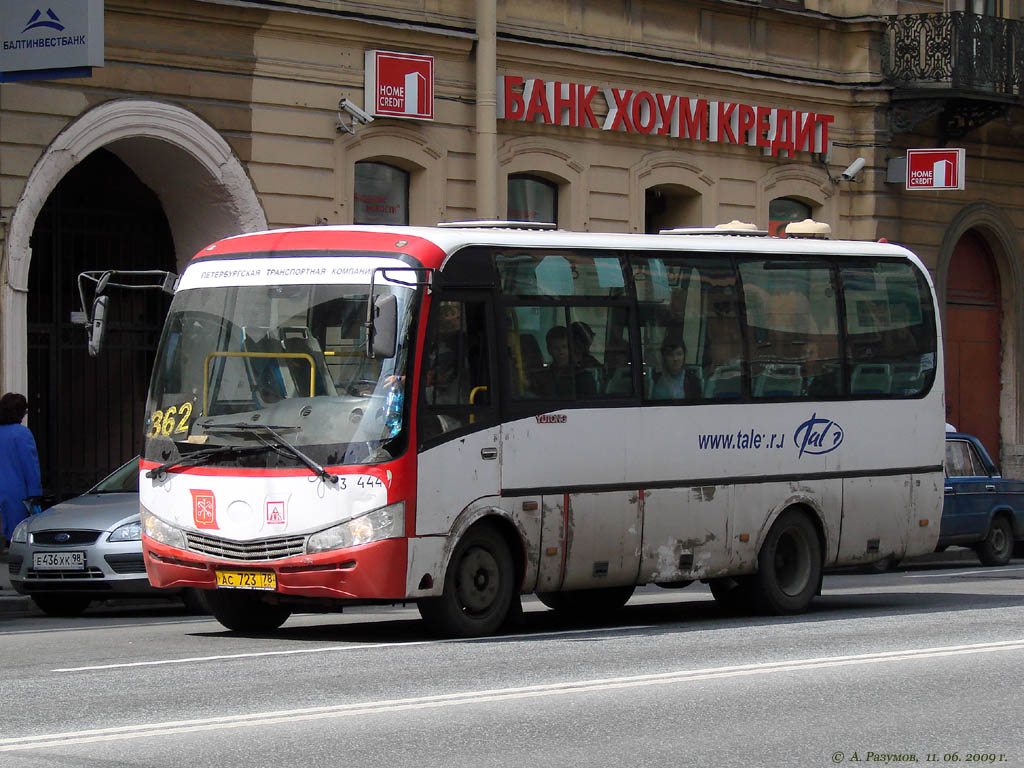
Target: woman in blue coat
[(19, 463)]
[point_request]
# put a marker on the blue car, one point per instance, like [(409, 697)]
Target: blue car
[(981, 509)]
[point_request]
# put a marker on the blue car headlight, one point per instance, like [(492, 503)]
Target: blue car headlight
[(384, 523)]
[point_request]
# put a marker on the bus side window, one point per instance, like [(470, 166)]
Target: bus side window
[(889, 328), (792, 319)]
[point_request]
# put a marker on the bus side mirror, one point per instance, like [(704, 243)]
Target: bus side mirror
[(97, 325), (383, 327)]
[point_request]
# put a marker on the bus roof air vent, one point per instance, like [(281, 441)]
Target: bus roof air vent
[(496, 224), (734, 227), (809, 228)]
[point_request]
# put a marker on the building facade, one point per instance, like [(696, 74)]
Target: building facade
[(214, 117)]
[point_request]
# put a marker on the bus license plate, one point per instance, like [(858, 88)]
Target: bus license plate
[(247, 580), (58, 561)]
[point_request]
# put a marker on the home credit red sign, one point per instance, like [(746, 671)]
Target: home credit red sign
[(400, 85), (775, 130), (936, 168)]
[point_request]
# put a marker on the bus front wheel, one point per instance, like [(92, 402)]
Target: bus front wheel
[(789, 566), (244, 612), (478, 587)]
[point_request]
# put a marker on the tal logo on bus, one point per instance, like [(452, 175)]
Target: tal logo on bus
[(276, 514), (817, 436), (204, 509)]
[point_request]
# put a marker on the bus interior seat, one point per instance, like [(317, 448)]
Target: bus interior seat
[(871, 379), (300, 340), (725, 382), (268, 383), (907, 379), (779, 380)]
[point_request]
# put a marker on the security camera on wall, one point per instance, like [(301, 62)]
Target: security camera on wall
[(853, 169), (356, 115)]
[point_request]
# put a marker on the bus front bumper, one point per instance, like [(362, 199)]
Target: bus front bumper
[(374, 571)]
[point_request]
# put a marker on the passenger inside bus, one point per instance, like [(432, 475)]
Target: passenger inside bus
[(568, 375), (676, 381)]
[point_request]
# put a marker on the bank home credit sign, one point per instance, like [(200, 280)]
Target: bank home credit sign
[(936, 168), (775, 130), (400, 85)]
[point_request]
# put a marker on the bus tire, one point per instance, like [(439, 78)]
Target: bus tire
[(478, 587), (243, 612), (997, 547), (789, 566), (62, 606), (587, 602)]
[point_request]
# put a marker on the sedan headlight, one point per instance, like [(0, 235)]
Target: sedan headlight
[(20, 535), (158, 530), (126, 532), (384, 523)]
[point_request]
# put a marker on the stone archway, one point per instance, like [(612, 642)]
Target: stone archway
[(181, 158), (984, 228), (973, 348)]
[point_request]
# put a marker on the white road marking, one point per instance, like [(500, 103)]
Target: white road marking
[(978, 572), (337, 649), (273, 717)]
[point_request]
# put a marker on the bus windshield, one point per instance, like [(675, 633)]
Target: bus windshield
[(291, 358)]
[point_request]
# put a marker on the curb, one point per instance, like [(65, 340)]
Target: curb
[(13, 604)]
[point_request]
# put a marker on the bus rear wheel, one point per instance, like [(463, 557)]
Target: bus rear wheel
[(789, 566), (587, 602), (244, 612), (478, 587)]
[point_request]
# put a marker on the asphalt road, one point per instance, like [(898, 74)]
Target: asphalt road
[(884, 670)]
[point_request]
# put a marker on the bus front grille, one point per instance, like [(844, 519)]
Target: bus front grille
[(260, 549)]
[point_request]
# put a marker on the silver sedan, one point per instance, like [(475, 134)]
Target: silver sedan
[(85, 549)]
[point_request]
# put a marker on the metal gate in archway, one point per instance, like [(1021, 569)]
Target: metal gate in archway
[(87, 413)]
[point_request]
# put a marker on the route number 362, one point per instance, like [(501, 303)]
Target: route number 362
[(172, 421)]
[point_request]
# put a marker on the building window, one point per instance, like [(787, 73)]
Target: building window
[(531, 198), (381, 194), (783, 210)]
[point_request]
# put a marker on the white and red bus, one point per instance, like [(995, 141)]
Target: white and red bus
[(546, 412)]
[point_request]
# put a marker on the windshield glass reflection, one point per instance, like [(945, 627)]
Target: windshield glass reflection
[(288, 357)]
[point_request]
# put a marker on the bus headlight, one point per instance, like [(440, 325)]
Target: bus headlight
[(160, 531), (20, 535), (384, 523)]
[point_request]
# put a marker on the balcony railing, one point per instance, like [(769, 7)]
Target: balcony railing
[(979, 56)]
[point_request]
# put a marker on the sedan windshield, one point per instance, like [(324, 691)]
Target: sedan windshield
[(291, 358)]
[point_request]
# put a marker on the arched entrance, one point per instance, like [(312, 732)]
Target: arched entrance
[(166, 167), (86, 413), (973, 353)]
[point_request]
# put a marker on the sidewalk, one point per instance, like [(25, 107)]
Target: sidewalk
[(11, 603)]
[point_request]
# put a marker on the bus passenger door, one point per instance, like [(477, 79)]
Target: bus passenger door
[(457, 417)]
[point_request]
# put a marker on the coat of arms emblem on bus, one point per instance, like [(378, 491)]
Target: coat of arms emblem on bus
[(816, 436), (204, 509)]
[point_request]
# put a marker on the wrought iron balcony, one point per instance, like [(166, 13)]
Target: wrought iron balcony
[(967, 68)]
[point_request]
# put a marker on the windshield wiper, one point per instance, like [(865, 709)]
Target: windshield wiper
[(197, 457), (278, 443)]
